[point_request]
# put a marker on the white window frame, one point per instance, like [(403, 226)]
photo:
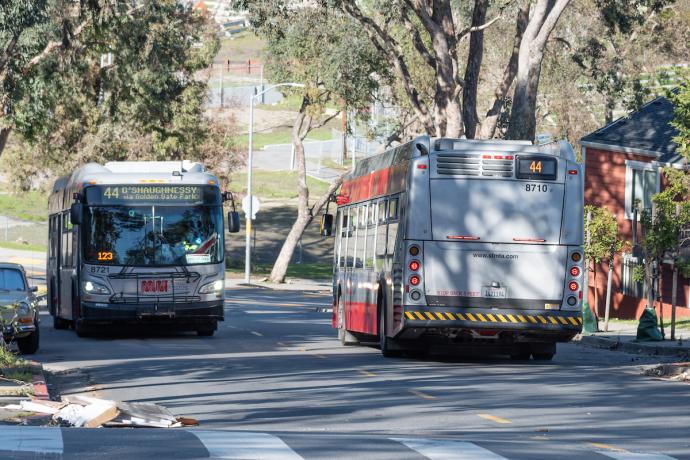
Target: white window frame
[(631, 165)]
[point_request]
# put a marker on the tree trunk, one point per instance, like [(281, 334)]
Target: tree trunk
[(4, 135), (474, 64), (596, 293), (488, 126), (523, 122), (305, 214)]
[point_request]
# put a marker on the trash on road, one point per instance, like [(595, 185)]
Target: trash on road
[(90, 412), (674, 371)]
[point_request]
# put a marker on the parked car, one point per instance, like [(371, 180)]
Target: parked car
[(18, 308)]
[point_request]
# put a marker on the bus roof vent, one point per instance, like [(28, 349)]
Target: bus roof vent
[(458, 164)]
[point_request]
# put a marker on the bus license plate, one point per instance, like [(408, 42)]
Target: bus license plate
[(152, 287), (493, 293)]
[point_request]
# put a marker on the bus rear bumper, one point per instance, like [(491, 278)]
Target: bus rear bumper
[(95, 312), (569, 322)]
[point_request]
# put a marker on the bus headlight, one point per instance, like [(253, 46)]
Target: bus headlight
[(91, 287), (214, 287)]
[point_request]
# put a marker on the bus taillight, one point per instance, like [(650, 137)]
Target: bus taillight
[(415, 280), (575, 271), (414, 265), (573, 286)]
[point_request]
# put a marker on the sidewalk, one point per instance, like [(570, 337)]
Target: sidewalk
[(622, 337), (292, 284)]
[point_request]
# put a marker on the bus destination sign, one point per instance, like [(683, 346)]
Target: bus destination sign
[(120, 194), (537, 168)]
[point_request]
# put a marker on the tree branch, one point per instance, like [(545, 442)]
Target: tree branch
[(8, 50), (418, 42), (469, 30)]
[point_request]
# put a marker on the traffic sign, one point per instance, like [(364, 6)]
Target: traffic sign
[(256, 205)]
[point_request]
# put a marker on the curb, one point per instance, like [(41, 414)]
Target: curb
[(638, 348), (39, 382)]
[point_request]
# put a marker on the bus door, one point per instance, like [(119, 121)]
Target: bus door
[(496, 242), (66, 267)]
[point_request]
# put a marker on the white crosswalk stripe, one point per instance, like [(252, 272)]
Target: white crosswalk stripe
[(245, 445), (31, 439), (439, 449), (635, 456)]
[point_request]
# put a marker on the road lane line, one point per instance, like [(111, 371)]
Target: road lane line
[(319, 356), (600, 445), (258, 334), (439, 449), (422, 395), (31, 439), (634, 456), (493, 418), (245, 445), (366, 373), (281, 344)]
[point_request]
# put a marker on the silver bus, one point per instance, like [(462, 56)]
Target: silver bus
[(474, 243), (137, 242)]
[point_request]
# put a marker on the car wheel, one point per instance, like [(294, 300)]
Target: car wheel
[(60, 323), (29, 345)]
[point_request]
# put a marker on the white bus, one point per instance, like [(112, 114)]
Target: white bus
[(137, 242), (478, 243)]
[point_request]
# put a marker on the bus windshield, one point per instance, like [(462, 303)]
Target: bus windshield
[(153, 235)]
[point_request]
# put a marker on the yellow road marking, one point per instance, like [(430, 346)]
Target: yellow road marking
[(493, 418), (462, 318), (470, 316), (440, 316), (366, 373), (541, 318), (572, 320), (27, 261), (502, 318), (409, 315), (512, 318), (522, 318), (491, 317), (422, 395), (599, 445), (481, 317), (419, 315), (450, 316), (531, 318), (429, 315)]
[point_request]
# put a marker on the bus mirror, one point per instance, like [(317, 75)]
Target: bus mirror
[(326, 228), (76, 213), (233, 221)]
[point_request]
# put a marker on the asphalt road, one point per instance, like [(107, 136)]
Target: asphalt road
[(275, 383)]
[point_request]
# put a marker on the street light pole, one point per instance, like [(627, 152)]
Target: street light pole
[(250, 159)]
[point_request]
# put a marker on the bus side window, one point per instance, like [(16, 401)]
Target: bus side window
[(393, 209), (344, 233), (381, 233), (371, 237), (353, 232), (392, 225), (64, 260), (339, 237), (361, 236), (382, 211)]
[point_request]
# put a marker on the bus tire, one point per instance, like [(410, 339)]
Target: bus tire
[(521, 352), (81, 328), (387, 346), (543, 351), (207, 330), (60, 323)]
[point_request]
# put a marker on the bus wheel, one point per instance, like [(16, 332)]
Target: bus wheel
[(59, 323), (207, 330), (543, 351), (81, 328), (521, 352), (384, 342)]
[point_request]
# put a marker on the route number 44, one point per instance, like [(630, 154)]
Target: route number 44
[(111, 192), (535, 167)]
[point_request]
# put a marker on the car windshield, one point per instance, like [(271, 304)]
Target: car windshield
[(11, 280), (153, 235)]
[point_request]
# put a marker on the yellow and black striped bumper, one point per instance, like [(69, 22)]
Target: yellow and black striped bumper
[(492, 318)]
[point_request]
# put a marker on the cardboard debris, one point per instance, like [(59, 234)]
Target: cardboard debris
[(90, 412)]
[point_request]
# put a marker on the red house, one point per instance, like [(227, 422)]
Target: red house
[(623, 163)]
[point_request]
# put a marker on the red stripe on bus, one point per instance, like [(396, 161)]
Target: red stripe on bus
[(361, 317), (382, 182)]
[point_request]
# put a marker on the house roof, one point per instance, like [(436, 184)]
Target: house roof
[(647, 131)]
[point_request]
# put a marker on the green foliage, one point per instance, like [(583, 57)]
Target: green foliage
[(681, 107), (601, 231), (73, 106), (31, 206)]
